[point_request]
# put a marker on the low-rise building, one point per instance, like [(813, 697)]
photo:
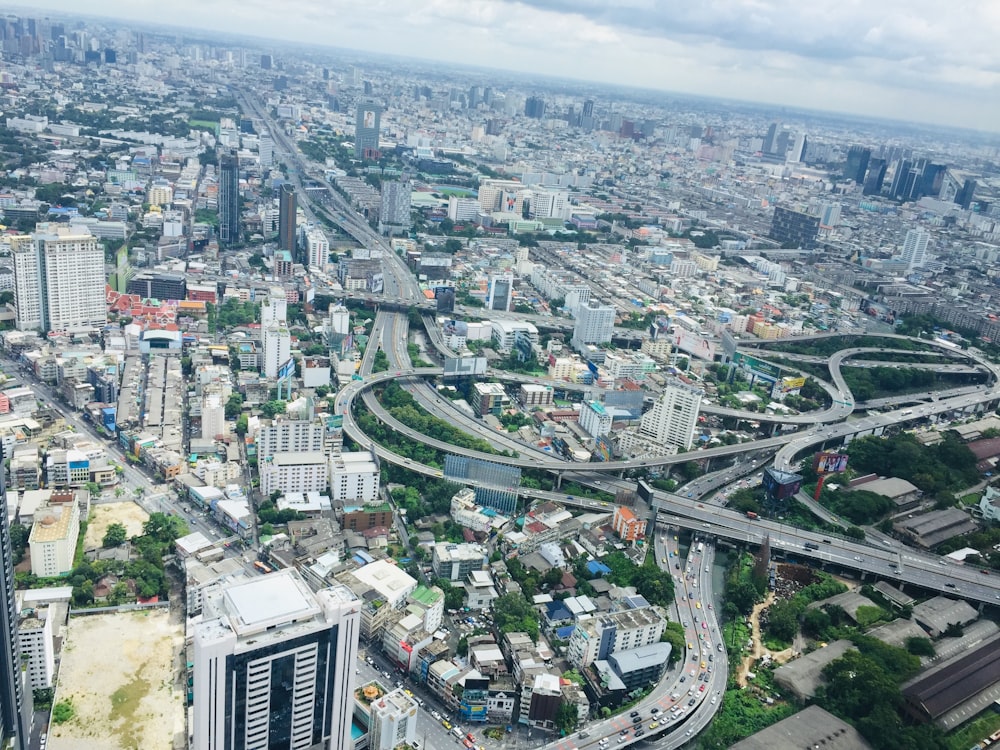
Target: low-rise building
[(454, 562), (393, 721)]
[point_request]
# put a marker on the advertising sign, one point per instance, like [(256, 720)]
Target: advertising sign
[(792, 384), (693, 344), (756, 366), (728, 344), (286, 369), (458, 366), (455, 328), (830, 463)]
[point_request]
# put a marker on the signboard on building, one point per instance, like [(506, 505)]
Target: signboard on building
[(286, 370), (757, 367), (792, 384), (781, 485), (455, 328), (829, 463), (693, 344), (602, 449), (460, 366)]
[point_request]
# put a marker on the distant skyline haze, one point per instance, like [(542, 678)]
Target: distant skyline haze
[(900, 59)]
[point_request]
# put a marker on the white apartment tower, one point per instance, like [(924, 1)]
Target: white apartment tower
[(915, 248), (317, 249), (594, 325), (276, 346), (274, 666), (274, 307), (59, 281), (673, 417)]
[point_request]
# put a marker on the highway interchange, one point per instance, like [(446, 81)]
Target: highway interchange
[(828, 428)]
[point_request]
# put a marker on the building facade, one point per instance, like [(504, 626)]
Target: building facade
[(274, 666)]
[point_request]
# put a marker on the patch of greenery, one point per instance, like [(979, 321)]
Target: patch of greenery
[(63, 711)]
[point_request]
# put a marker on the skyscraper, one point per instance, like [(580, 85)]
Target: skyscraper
[(534, 107), (59, 280), (857, 164), (768, 146), (229, 198), (876, 176), (274, 666), (13, 724), (501, 292), (594, 325), (265, 149), (287, 208), (366, 130), (395, 209), (915, 248)]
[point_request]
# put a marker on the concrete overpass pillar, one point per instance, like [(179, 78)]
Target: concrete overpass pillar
[(559, 477)]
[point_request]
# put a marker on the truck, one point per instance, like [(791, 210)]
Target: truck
[(751, 515), (701, 547)]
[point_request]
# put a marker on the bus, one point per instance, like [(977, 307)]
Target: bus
[(701, 547), (262, 567)]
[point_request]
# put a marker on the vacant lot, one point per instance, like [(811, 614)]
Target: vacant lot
[(101, 516), (120, 674)]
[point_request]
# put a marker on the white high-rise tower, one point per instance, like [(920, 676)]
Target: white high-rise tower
[(915, 248), (274, 666)]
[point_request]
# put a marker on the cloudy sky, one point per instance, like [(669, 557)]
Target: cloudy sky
[(920, 60)]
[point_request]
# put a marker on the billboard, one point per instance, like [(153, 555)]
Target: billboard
[(602, 449), (368, 120), (460, 366), (376, 283), (286, 369), (792, 384), (829, 463), (659, 328), (508, 202), (756, 366), (455, 328), (693, 344)]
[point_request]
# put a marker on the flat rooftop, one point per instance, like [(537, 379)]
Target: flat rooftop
[(270, 600)]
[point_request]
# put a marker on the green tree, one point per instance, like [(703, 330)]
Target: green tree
[(566, 717), (234, 405), (62, 712), (115, 535), (920, 646)]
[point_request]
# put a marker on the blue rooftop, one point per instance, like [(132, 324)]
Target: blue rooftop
[(556, 610), (594, 567), (565, 632)]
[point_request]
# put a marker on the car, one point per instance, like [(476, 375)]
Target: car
[(701, 689), (640, 732), (622, 739), (950, 585), (634, 713), (637, 720), (604, 742), (654, 725), (704, 625), (683, 678), (691, 702), (655, 711)]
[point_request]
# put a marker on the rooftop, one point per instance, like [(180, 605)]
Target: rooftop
[(810, 727), (270, 600)]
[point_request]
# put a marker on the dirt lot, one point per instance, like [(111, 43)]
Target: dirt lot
[(105, 514), (119, 671)]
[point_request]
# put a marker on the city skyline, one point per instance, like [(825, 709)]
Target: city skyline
[(896, 61)]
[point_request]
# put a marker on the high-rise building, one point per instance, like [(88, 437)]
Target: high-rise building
[(265, 149), (965, 195), (798, 152), (317, 248), (794, 229), (876, 176), (287, 210), (274, 665), (395, 210), (915, 248), (858, 158), (366, 130), (534, 107), (229, 198), (501, 292), (594, 325), (768, 145), (588, 108), (59, 281), (13, 713), (266, 62), (276, 343), (673, 417), (897, 189)]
